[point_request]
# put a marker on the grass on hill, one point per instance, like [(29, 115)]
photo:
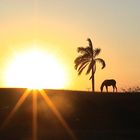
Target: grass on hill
[(99, 116)]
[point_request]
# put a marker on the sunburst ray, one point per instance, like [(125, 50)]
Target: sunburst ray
[(57, 114), (14, 110), (34, 123)]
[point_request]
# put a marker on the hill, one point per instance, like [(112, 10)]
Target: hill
[(98, 116)]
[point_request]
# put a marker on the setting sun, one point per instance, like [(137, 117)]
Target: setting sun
[(35, 69)]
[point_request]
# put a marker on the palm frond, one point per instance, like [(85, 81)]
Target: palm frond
[(80, 61), (87, 50), (86, 56), (83, 64), (91, 65), (81, 50), (96, 52), (90, 42), (81, 58), (101, 61), (80, 71), (94, 69), (90, 77), (77, 65)]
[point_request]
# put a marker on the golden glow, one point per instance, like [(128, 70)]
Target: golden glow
[(35, 69)]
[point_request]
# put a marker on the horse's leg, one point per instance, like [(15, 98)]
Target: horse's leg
[(107, 88), (103, 89), (116, 88), (113, 88)]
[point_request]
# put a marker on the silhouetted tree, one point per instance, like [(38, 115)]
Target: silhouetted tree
[(88, 58)]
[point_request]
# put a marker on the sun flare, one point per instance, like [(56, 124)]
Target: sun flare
[(35, 69)]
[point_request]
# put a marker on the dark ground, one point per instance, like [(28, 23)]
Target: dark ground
[(98, 116)]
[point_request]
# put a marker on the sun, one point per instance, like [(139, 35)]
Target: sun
[(35, 69)]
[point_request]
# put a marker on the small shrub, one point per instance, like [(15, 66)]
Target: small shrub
[(131, 89)]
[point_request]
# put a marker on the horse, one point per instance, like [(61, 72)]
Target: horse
[(110, 82)]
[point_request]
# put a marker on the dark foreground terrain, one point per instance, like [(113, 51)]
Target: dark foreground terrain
[(98, 116)]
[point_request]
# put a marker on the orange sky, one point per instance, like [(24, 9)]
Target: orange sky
[(59, 27)]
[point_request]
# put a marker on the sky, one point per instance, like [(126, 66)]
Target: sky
[(60, 26)]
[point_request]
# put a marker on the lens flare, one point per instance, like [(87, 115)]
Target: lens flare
[(34, 115)]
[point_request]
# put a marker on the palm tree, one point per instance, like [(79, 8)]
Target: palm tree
[(88, 59)]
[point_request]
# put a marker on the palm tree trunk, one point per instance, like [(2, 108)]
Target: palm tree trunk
[(93, 81)]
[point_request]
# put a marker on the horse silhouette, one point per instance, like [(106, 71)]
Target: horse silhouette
[(110, 82)]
